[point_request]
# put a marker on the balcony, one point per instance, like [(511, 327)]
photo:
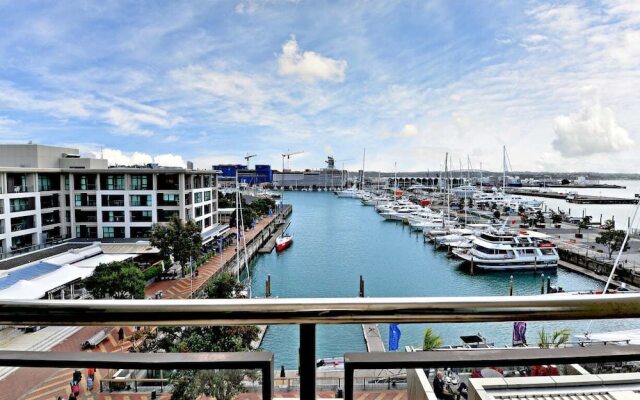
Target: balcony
[(87, 186), (49, 202), (141, 216), (307, 313), (21, 207), (113, 201), (21, 189), (50, 219), (21, 226)]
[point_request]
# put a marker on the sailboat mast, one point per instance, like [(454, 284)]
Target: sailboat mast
[(446, 177), (237, 226), (395, 179), (504, 168), (364, 152)]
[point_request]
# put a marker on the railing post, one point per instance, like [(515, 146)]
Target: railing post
[(307, 361), (348, 382), (267, 381)]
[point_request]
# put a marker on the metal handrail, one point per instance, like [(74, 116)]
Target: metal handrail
[(156, 361), (320, 311)]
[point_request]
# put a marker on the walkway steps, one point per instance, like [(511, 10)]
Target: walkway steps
[(372, 337)]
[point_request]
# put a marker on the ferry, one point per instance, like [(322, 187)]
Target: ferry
[(505, 251)]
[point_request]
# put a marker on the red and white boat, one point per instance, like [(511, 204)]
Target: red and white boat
[(283, 242)]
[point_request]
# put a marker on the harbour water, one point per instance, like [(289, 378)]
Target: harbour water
[(337, 240)]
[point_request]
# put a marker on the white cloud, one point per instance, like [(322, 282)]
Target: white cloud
[(118, 157), (407, 131), (535, 38), (247, 7), (590, 131), (308, 65)]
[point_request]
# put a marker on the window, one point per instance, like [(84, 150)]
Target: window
[(207, 196), (115, 182), (138, 200), (108, 232), (44, 183), (66, 182), (139, 182), (197, 197), (78, 200)]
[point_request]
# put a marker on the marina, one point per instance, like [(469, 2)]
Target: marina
[(574, 198), (333, 248)]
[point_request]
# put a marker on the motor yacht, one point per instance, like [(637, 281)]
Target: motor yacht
[(505, 251)]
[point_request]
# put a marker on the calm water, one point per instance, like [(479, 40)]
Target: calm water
[(337, 239)]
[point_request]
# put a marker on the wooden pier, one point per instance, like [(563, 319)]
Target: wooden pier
[(372, 337)]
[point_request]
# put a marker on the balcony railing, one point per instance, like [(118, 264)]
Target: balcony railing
[(87, 203), (21, 207), (114, 218), (307, 313), (22, 226), (114, 203), (20, 188), (140, 187), (87, 186), (49, 204)]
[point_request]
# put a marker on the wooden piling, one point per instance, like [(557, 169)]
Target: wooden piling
[(511, 286), (268, 287), (542, 285), (471, 265), (361, 294)]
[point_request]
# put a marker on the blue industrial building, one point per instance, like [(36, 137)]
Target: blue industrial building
[(261, 174)]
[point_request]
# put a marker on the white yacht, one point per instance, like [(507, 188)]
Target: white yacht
[(465, 191), (502, 251), (400, 213), (350, 192)]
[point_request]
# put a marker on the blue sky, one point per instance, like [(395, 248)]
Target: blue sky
[(556, 82)]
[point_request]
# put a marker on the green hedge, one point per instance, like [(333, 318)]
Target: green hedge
[(152, 272)]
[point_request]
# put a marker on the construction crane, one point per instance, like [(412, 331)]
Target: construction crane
[(288, 157), (249, 157)]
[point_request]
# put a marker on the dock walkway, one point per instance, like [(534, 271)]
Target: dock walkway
[(271, 243), (372, 337)]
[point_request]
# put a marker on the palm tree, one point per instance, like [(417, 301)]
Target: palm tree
[(431, 340), (556, 339)]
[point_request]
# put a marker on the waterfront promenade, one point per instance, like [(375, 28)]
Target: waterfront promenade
[(48, 383)]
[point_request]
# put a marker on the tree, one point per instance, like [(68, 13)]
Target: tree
[(609, 225), (221, 384), (555, 217), (539, 217), (182, 240), (556, 339), (224, 286), (584, 223), (565, 181), (496, 214), (227, 200), (218, 384), (262, 205), (431, 340), (521, 210), (470, 202), (248, 215), (612, 240), (117, 279)]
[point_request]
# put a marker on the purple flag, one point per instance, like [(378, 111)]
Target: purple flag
[(519, 333)]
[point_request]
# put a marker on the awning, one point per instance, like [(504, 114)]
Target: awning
[(216, 231)]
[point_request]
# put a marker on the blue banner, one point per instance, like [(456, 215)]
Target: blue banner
[(394, 337)]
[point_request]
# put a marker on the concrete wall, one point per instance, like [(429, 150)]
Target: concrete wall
[(418, 387), (32, 155)]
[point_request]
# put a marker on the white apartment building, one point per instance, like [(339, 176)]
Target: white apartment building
[(49, 193)]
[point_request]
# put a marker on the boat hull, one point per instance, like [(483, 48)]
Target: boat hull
[(282, 245), (505, 265)]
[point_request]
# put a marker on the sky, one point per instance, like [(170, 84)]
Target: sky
[(557, 83)]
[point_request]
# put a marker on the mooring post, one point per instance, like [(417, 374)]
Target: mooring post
[(511, 286), (548, 284), (542, 285), (471, 265), (268, 286), (361, 292)]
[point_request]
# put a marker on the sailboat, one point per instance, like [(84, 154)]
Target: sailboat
[(285, 240)]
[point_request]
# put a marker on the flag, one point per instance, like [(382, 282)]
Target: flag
[(394, 337), (519, 333)]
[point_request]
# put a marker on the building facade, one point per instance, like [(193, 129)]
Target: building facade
[(49, 193), (261, 174)]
